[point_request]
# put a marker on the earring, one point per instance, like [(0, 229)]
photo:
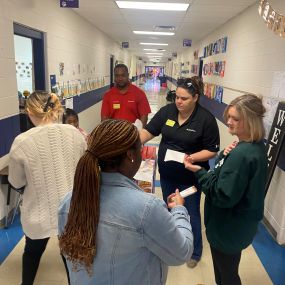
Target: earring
[(132, 161)]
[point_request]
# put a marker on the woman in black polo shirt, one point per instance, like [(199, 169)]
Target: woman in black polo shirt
[(189, 128)]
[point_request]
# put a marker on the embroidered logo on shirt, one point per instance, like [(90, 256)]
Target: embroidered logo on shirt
[(116, 106), (220, 163), (170, 123), (191, 130)]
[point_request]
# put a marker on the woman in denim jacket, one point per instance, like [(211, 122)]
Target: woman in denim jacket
[(111, 231)]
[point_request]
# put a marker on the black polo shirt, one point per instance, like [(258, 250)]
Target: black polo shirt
[(199, 132)]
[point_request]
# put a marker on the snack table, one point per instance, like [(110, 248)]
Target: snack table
[(145, 177), (4, 180)]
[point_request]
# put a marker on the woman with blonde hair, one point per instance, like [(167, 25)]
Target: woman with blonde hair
[(43, 161), (235, 188), (112, 232)]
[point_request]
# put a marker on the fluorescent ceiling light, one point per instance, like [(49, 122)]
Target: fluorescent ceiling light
[(153, 44), (152, 6), (153, 49), (153, 33), (154, 53)]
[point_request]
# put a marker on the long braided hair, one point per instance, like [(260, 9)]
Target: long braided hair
[(107, 146)]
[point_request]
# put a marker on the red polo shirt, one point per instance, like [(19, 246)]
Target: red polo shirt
[(129, 106)]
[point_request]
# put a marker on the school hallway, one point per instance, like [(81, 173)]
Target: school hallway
[(261, 264)]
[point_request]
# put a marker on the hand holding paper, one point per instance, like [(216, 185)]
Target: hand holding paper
[(173, 155)]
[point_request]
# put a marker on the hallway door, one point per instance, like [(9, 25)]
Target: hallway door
[(111, 71), (30, 67)]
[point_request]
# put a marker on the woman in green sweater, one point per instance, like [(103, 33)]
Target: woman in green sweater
[(235, 188)]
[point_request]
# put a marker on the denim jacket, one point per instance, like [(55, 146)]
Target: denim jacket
[(137, 236)]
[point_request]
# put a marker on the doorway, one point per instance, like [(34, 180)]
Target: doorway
[(111, 71), (30, 67), (200, 67)]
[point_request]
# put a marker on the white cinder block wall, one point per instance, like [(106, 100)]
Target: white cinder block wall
[(254, 53), (69, 39)]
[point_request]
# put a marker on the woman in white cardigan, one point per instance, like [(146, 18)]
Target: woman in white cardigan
[(43, 160)]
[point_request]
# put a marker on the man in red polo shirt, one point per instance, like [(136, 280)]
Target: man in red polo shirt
[(125, 100)]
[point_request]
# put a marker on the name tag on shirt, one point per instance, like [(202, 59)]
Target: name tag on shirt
[(170, 123), (116, 106)]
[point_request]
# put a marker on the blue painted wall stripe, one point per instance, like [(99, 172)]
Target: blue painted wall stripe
[(88, 99), (10, 127)]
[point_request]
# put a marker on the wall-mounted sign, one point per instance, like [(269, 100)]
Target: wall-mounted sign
[(187, 43), (125, 44), (275, 141), (69, 3), (52, 80)]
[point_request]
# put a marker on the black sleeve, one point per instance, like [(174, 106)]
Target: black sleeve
[(157, 122), (211, 136)]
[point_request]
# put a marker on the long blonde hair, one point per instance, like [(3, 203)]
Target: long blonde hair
[(45, 106), (107, 146)]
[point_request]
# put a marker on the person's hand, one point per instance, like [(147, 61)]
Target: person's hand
[(188, 162), (229, 148), (175, 199)]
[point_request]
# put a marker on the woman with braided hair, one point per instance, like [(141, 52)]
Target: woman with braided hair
[(111, 231), (43, 161)]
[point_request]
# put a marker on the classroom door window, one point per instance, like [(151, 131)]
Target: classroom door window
[(24, 64)]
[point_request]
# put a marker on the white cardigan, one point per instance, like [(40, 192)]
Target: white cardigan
[(44, 160)]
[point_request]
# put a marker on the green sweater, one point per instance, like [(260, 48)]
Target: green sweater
[(234, 197)]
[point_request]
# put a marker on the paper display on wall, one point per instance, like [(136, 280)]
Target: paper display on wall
[(69, 103), (270, 103)]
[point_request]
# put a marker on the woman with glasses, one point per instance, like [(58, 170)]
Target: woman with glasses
[(43, 161), (185, 127)]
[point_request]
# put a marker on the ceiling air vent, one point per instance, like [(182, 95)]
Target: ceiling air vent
[(164, 28)]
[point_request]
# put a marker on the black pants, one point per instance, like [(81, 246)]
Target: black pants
[(33, 252), (226, 267)]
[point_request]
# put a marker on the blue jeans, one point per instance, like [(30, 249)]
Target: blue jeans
[(192, 204)]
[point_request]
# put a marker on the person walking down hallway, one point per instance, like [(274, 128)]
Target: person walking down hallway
[(111, 231), (235, 189), (185, 127), (43, 161), (125, 101)]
